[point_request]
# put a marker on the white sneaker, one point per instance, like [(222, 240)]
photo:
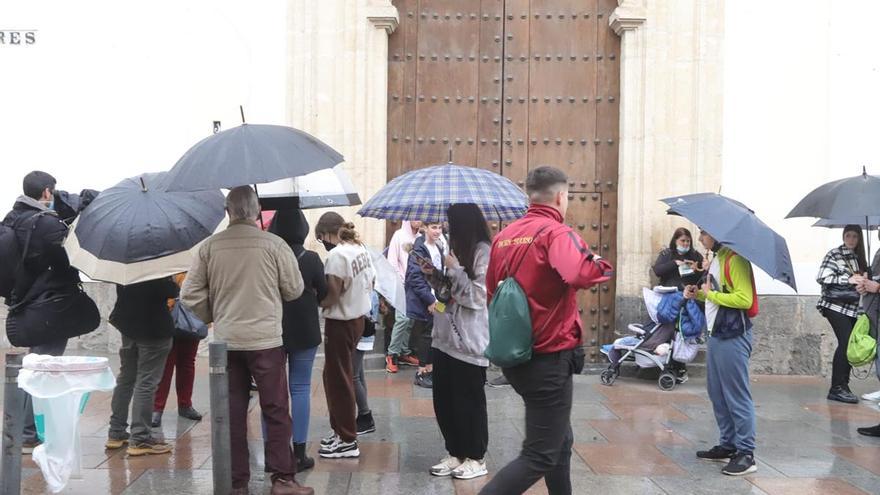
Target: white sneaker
[(330, 439), (469, 469), (339, 450), (446, 466), (873, 396)]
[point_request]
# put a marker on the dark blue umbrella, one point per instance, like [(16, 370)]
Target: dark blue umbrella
[(736, 226), (427, 193), (136, 231), (250, 154)]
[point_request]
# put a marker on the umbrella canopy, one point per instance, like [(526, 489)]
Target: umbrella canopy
[(136, 231), (850, 198), (871, 222), (326, 188), (250, 154), (734, 225), (425, 195)]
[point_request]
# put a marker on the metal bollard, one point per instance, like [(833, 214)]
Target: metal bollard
[(13, 427), (221, 450)]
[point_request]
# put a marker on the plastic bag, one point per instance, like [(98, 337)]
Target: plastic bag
[(684, 350), (60, 387)]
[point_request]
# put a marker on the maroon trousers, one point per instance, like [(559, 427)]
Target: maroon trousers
[(270, 373), (340, 340), (182, 357)]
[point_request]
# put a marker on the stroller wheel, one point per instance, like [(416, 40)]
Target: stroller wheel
[(608, 376), (666, 382)]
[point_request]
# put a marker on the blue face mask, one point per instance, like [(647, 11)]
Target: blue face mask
[(51, 204), (682, 250)]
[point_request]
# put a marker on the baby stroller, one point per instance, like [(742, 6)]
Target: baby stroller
[(654, 344)]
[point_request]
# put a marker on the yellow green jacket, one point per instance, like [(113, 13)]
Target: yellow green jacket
[(740, 295)]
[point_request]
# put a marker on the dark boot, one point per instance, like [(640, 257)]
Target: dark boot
[(872, 431), (303, 461)]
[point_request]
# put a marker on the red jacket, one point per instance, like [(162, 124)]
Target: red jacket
[(551, 272)]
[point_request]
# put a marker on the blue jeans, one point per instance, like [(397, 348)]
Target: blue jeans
[(299, 381), (299, 378), (727, 380)]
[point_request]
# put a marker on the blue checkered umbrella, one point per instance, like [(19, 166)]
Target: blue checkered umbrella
[(426, 194)]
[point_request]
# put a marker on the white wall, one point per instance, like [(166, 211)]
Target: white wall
[(111, 89), (801, 102)]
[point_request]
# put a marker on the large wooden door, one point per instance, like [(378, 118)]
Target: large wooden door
[(509, 85)]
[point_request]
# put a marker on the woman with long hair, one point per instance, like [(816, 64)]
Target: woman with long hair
[(301, 327), (839, 304), (350, 277), (460, 335)]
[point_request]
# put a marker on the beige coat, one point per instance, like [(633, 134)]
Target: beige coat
[(238, 281)]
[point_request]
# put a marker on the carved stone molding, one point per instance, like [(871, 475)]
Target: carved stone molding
[(383, 16), (627, 16)]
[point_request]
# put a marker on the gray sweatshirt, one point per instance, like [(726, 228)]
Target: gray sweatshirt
[(462, 331)]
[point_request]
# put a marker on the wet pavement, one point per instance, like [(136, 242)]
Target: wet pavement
[(631, 438)]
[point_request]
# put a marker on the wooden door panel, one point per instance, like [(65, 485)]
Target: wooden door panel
[(447, 79), (509, 85), (607, 102)]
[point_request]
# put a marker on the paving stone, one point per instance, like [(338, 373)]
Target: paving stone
[(810, 462), (709, 484), (807, 486)]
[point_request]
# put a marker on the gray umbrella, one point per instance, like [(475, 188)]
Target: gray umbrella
[(853, 197), (136, 220), (250, 154), (734, 225)]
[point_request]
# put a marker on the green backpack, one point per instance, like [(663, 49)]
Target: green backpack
[(510, 323), (862, 348)]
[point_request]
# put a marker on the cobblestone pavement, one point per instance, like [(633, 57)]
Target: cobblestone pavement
[(631, 438)]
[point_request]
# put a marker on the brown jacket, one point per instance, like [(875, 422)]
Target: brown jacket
[(238, 281)]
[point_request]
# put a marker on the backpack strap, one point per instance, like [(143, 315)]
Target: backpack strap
[(526, 252)]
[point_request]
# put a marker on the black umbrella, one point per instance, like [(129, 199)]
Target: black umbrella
[(736, 226), (136, 231), (250, 154), (854, 198)]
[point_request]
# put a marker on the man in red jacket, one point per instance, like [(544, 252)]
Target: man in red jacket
[(551, 263)]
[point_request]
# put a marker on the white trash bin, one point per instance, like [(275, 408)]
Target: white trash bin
[(60, 387)]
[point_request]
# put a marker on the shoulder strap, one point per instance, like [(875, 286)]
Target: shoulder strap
[(526, 252), (727, 271), (27, 240)]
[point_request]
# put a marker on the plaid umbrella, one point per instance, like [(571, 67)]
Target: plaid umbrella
[(426, 194)]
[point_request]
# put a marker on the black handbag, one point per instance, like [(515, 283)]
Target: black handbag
[(51, 316), (186, 324), (841, 293)]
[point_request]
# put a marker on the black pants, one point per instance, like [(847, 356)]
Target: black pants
[(545, 384), (842, 325), (420, 340), (460, 406)]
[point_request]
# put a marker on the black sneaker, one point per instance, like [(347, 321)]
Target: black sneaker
[(717, 454), (741, 464), (424, 380), (340, 449), (871, 431), (842, 394), (365, 424), (681, 376)]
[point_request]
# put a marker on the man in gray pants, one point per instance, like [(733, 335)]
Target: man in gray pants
[(729, 293), (141, 314)]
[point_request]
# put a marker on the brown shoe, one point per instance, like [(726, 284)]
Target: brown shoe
[(151, 447), (115, 443), (286, 487)]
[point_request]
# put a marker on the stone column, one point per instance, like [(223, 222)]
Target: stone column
[(337, 78), (670, 126)]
